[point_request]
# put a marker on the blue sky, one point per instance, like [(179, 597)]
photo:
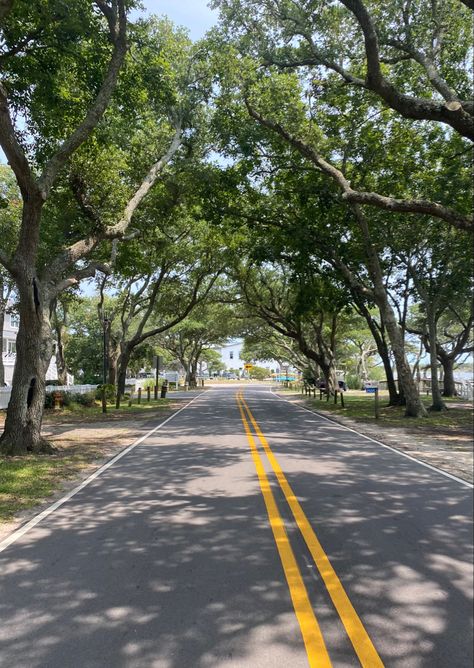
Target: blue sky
[(193, 14)]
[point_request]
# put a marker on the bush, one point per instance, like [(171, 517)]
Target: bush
[(259, 373), (49, 399), (354, 382), (149, 382), (110, 392), (87, 399)]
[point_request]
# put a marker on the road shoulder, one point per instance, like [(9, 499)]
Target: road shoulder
[(447, 452), (82, 447)]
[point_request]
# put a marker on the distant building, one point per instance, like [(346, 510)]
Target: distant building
[(9, 334), (231, 356)]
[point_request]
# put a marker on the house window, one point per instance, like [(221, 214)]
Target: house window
[(231, 354), (9, 346), (15, 320)]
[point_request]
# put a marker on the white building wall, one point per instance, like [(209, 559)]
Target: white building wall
[(231, 356), (9, 334)]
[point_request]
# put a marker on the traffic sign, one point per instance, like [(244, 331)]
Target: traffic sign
[(372, 387), (247, 367)]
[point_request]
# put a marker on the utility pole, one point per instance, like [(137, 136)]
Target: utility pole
[(105, 323)]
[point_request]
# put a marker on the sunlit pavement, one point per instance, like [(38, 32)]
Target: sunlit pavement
[(167, 559)]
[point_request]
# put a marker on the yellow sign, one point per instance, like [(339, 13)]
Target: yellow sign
[(247, 367)]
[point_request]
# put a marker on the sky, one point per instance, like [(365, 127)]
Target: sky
[(193, 14)]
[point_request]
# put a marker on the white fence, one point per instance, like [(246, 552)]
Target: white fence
[(5, 392), (73, 389)]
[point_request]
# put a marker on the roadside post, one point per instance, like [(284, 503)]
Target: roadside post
[(148, 390), (373, 388), (156, 364), (164, 389), (139, 395), (105, 325)]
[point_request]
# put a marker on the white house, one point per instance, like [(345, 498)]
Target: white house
[(231, 356), (10, 331)]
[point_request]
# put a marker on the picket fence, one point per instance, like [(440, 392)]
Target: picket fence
[(5, 392)]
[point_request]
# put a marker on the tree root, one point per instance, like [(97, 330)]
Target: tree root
[(14, 447)]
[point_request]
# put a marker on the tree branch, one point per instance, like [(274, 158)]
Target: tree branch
[(374, 199), (117, 230), (450, 113), (98, 107), (14, 151), (86, 272), (5, 8)]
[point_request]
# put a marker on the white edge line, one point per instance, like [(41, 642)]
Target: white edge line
[(54, 506), (384, 445)]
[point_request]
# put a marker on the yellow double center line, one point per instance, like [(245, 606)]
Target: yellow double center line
[(311, 632)]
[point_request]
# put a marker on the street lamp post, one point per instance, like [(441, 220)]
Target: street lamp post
[(105, 323)]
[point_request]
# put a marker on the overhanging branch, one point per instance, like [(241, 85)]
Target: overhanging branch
[(424, 207)]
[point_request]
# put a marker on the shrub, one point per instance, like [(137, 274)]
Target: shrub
[(87, 399), (149, 382), (353, 381), (109, 392), (49, 399)]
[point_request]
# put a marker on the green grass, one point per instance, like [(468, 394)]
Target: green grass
[(361, 408), (95, 412), (26, 481)]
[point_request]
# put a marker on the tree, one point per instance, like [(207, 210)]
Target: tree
[(302, 307), (412, 56), (165, 94), (345, 235), (270, 30), (30, 37), (209, 325), (213, 361), (10, 213), (263, 344), (83, 353)]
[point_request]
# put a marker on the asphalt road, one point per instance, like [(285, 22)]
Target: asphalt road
[(246, 534)]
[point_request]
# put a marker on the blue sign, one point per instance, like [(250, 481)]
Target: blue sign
[(371, 390)]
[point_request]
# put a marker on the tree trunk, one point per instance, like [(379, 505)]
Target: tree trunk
[(414, 406), (187, 375), (122, 365), (60, 361), (112, 366), (437, 403), (395, 397), (449, 388), (2, 323), (193, 374), (34, 349), (329, 373)]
